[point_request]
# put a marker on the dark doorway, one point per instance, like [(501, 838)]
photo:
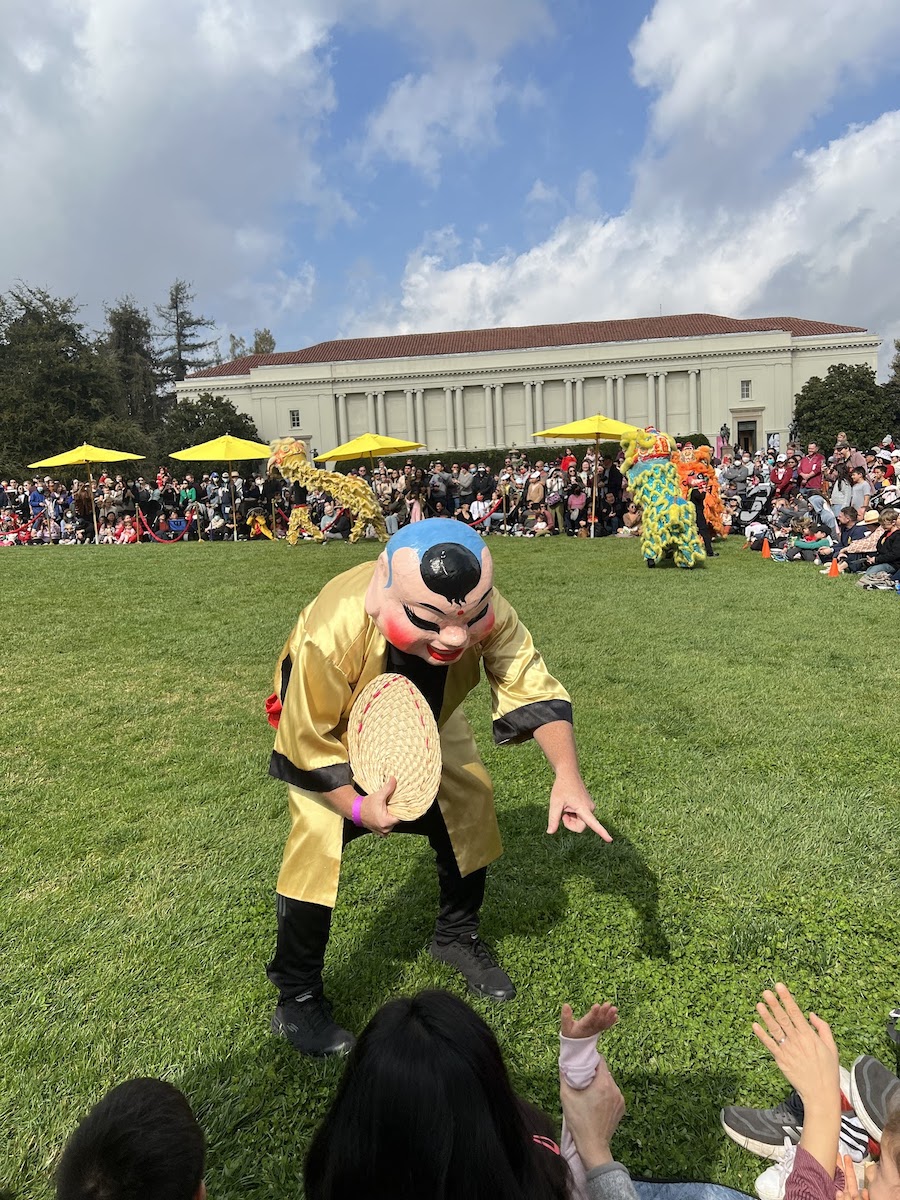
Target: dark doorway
[(746, 436)]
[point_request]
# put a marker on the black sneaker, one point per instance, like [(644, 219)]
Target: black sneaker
[(307, 1023), (472, 958), (874, 1091), (762, 1130)]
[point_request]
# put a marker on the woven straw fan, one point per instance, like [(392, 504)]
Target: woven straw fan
[(392, 731)]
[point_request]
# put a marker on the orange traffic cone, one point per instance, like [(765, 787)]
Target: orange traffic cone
[(767, 549), (833, 569)]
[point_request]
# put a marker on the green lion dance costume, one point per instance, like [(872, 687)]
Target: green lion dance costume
[(669, 524)]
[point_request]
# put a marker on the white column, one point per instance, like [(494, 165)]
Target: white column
[(382, 415), (570, 407), (579, 399), (693, 412), (489, 415), (501, 415), (651, 399), (460, 418), (448, 412), (662, 405), (370, 413), (611, 409), (539, 404), (343, 427), (529, 411), (421, 432), (620, 397), (410, 416)]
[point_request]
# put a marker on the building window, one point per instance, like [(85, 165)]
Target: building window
[(295, 418), (746, 390)]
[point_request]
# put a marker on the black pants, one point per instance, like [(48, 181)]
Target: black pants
[(698, 499), (303, 928)]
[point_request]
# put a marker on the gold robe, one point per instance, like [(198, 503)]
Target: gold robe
[(333, 652)]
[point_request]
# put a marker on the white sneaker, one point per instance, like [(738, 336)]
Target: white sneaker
[(771, 1184)]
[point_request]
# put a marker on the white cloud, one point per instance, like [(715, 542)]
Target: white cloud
[(148, 139), (425, 113), (817, 248), (737, 83), (453, 104)]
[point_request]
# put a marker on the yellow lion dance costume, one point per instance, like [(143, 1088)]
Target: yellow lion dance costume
[(695, 471), (289, 460), (668, 522)]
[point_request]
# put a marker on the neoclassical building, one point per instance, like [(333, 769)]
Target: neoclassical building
[(481, 388)]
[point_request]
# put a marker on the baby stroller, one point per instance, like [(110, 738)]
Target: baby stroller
[(757, 505)]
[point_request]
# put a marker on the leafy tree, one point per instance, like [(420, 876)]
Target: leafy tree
[(54, 385), (848, 398), (263, 343), (132, 357), (201, 420), (183, 348), (891, 390)]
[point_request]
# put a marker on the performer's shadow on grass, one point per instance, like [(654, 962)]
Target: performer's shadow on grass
[(377, 937)]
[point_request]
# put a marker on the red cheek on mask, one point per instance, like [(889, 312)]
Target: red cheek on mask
[(484, 627), (397, 633)]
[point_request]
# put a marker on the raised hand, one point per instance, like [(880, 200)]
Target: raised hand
[(597, 1019)]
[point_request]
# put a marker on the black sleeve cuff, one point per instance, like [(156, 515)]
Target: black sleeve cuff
[(520, 724), (325, 779)]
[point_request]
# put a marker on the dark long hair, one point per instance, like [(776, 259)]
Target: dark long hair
[(425, 1109)]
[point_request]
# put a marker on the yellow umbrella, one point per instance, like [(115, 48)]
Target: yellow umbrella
[(595, 427), (83, 456), (367, 445), (227, 448)]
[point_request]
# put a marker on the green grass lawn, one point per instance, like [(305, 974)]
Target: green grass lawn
[(737, 728)]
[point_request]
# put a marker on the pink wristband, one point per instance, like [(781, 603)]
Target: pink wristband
[(357, 812)]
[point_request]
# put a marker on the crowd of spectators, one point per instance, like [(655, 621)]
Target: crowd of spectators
[(840, 508), (793, 500)]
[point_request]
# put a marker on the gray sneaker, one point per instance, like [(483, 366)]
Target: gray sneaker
[(874, 1092), (763, 1131)]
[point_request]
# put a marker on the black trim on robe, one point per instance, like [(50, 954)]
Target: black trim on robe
[(325, 779), (520, 724)]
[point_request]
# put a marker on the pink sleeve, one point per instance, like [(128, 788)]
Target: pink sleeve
[(578, 1060)]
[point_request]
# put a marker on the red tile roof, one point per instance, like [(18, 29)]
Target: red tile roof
[(524, 337)]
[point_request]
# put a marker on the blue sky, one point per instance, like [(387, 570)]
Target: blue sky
[(332, 167)]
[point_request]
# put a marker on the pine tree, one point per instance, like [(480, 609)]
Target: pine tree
[(183, 349), (129, 346)]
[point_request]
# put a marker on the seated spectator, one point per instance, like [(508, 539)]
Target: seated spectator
[(106, 534), (818, 1162), (142, 1140), (886, 558), (455, 1128), (335, 523), (631, 521), (464, 513), (127, 535), (542, 526), (806, 540)]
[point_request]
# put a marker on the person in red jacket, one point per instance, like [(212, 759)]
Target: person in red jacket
[(782, 476), (809, 472)]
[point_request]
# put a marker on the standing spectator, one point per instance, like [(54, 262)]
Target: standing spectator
[(810, 469), (781, 476), (466, 482), (860, 490), (736, 476), (438, 487)]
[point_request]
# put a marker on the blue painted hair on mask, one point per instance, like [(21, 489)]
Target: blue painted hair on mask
[(449, 555)]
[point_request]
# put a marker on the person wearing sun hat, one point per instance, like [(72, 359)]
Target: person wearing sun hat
[(427, 609)]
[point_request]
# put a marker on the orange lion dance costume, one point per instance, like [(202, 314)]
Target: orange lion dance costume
[(695, 471)]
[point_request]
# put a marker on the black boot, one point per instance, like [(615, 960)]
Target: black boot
[(476, 964), (307, 1023)]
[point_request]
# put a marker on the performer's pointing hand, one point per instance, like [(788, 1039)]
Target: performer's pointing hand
[(569, 799), (571, 804)]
